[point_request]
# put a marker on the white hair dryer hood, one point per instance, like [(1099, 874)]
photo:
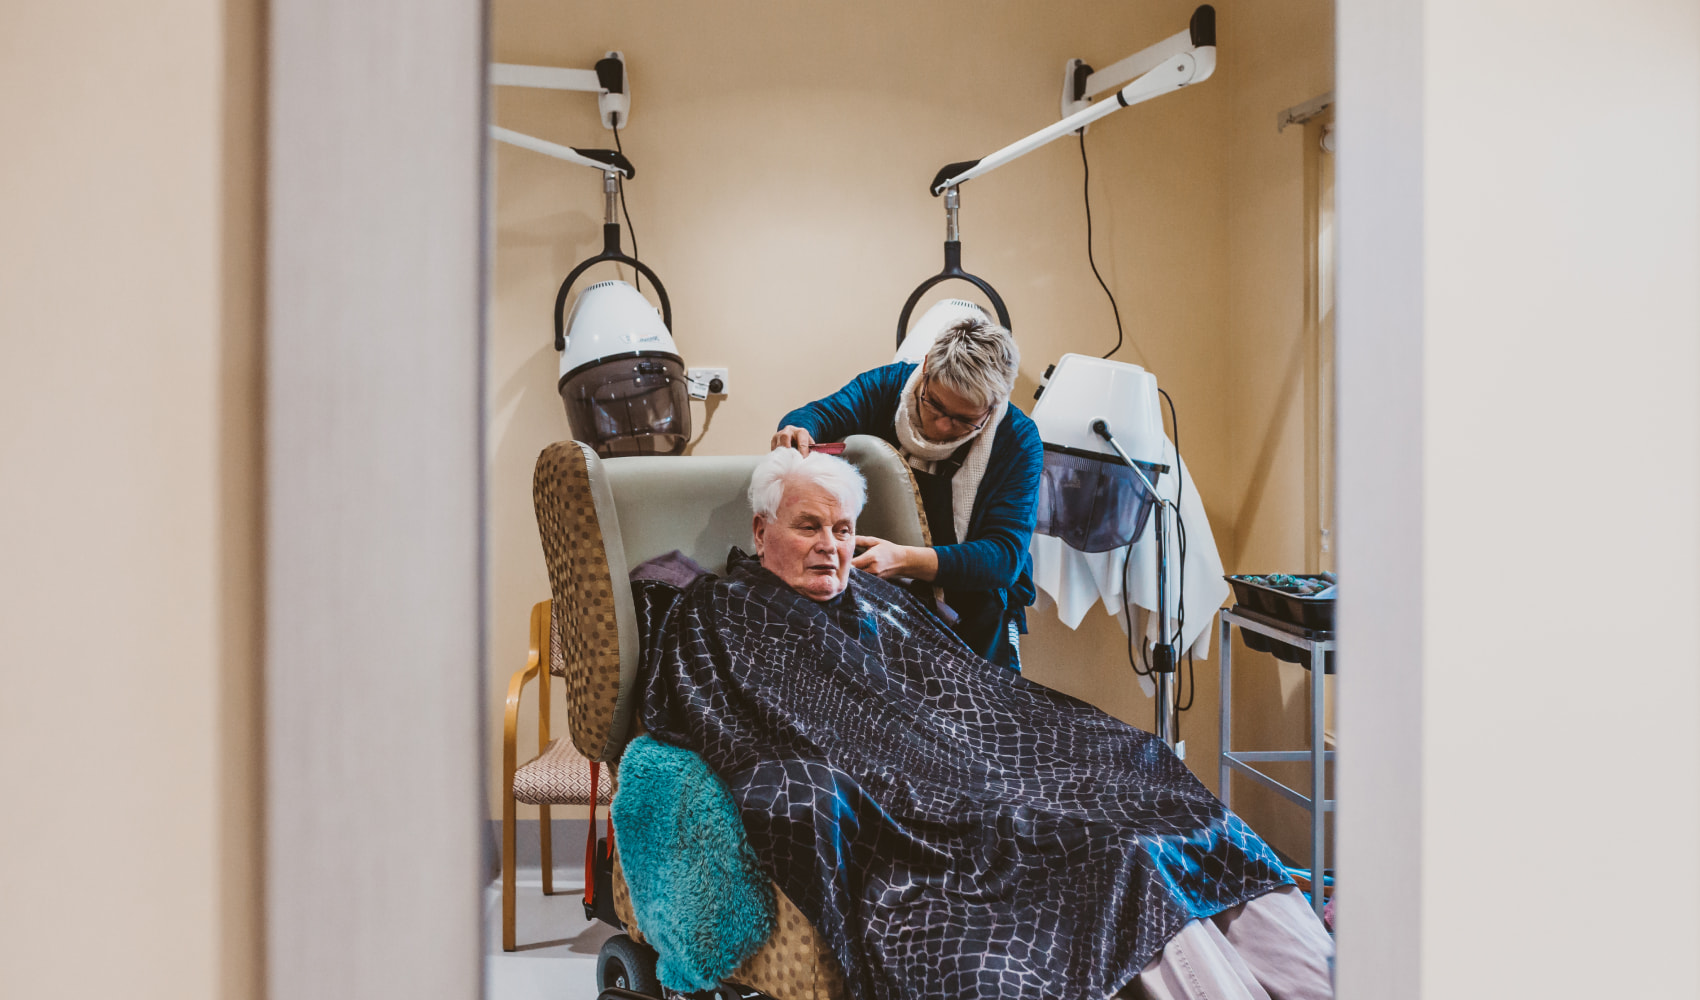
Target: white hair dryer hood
[(1082, 389), (622, 380), (942, 316), (612, 318), (1087, 496)]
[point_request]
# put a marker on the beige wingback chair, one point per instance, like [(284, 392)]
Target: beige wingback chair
[(600, 518)]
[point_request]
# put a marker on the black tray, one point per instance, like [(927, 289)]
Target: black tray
[(1281, 650), (1295, 609)]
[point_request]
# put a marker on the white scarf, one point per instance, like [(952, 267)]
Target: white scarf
[(925, 455)]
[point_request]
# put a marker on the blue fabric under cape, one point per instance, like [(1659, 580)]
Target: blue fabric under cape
[(699, 895)]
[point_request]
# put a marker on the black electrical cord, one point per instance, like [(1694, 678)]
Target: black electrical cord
[(1140, 664), (620, 182), (1127, 619), (1180, 532), (1141, 667), (1180, 528), (1086, 195)]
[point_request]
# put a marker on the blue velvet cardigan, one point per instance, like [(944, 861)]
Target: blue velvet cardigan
[(993, 556)]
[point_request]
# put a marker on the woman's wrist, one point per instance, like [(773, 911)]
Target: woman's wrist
[(920, 562)]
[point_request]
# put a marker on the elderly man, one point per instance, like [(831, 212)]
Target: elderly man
[(951, 829), (976, 459), (805, 520)]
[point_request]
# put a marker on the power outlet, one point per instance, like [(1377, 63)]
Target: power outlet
[(706, 382)]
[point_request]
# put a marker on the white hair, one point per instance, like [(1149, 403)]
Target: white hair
[(976, 358), (787, 465)]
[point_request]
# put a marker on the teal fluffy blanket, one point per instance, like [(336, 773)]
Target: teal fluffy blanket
[(698, 893)]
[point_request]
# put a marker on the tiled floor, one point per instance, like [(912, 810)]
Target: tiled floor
[(556, 958)]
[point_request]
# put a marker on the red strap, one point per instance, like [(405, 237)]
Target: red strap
[(590, 842)]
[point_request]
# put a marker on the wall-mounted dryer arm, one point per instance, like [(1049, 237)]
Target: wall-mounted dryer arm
[(1178, 61), (605, 160), (610, 252), (607, 81), (613, 165), (544, 77), (952, 270), (1081, 83)]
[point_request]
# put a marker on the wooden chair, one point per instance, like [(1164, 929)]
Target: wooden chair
[(558, 775)]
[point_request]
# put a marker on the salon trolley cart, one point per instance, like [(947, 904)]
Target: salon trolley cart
[(1316, 648)]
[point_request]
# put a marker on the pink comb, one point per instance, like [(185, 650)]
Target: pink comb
[(833, 448)]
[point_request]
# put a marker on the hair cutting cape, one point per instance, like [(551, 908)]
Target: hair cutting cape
[(951, 829)]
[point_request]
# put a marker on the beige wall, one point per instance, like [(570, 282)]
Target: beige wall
[(1561, 319), (783, 153), (1284, 56), (129, 419), (1523, 774)]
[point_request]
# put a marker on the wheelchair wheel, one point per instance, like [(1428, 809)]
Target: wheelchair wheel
[(624, 964)]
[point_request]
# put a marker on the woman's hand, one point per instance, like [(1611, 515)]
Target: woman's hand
[(793, 437), (887, 560), (883, 559)]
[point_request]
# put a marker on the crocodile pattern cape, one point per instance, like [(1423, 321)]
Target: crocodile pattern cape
[(950, 828)]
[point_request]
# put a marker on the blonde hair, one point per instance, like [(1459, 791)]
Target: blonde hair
[(977, 359), (829, 472)]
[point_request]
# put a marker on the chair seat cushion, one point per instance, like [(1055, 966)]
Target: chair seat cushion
[(559, 776)]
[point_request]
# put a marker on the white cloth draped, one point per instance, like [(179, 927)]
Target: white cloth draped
[(1073, 581)]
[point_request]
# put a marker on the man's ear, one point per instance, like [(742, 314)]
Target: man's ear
[(759, 530)]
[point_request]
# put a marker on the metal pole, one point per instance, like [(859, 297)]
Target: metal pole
[(1318, 774), (1164, 655), (1165, 664), (610, 197), (952, 202), (1226, 693)]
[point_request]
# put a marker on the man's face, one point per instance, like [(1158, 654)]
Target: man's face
[(809, 542)]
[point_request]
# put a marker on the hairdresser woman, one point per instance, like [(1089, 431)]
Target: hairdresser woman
[(976, 460)]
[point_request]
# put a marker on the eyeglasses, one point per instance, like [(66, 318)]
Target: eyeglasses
[(968, 424)]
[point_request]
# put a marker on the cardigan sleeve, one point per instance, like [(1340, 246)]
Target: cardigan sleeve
[(995, 553), (854, 409)]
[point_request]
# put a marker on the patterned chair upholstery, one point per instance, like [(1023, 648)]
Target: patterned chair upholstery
[(599, 518)]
